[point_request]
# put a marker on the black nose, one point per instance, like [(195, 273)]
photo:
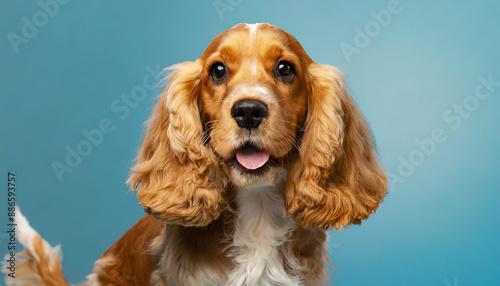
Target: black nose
[(249, 113)]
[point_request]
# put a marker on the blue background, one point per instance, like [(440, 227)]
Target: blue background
[(438, 225)]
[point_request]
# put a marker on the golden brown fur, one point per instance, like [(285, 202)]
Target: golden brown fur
[(178, 177), (186, 175), (337, 180), (129, 260)]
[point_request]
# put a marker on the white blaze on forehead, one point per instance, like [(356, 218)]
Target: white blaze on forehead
[(253, 29), (254, 67)]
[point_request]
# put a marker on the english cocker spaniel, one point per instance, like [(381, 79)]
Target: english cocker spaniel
[(251, 153)]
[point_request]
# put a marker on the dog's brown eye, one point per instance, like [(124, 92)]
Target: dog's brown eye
[(218, 72), (285, 71)]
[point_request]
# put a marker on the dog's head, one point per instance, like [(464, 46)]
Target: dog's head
[(252, 103)]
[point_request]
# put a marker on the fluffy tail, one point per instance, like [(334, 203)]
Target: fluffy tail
[(38, 264)]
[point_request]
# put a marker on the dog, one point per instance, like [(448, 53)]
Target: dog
[(251, 153)]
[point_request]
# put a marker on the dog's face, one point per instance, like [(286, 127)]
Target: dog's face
[(253, 100)]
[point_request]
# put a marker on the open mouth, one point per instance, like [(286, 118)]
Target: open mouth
[(251, 159)]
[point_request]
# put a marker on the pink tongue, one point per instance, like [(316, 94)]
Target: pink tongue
[(252, 160)]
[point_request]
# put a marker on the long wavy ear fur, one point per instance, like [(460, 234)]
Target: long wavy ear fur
[(177, 178), (337, 179)]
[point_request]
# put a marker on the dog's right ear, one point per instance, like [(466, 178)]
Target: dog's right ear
[(177, 178)]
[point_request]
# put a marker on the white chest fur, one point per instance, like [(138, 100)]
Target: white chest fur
[(262, 228)]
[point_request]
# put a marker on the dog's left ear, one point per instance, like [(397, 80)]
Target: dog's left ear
[(337, 180)]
